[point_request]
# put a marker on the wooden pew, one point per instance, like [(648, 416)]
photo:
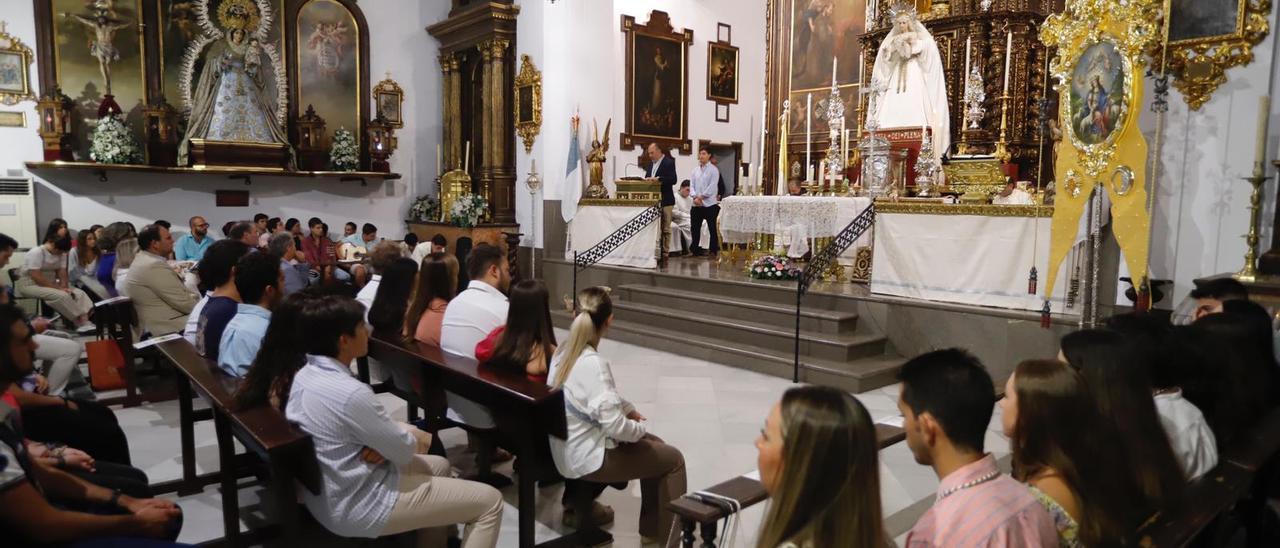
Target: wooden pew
[(747, 491), (287, 451), (526, 411)]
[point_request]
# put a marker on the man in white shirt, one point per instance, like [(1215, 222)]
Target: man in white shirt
[(377, 476), (706, 189), (472, 315)]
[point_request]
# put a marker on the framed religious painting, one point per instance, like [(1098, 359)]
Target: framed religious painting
[(98, 50), (330, 72), (388, 99), (1207, 37), (657, 83), (722, 73), (15, 69), (1097, 94), (528, 102)]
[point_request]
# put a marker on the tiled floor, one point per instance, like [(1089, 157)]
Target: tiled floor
[(712, 412)]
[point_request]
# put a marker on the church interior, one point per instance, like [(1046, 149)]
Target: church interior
[(736, 273)]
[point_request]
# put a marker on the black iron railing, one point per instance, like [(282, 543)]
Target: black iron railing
[(822, 261), (584, 260)]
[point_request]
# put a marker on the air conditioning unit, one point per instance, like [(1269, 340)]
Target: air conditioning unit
[(18, 211)]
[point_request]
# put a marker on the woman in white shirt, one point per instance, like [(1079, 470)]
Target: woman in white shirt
[(608, 441)]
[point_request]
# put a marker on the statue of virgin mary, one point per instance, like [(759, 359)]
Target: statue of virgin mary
[(239, 95), (908, 75)]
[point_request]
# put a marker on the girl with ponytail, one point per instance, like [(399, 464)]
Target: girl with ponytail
[(608, 441)]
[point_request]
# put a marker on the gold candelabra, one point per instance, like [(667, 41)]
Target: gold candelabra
[(1250, 271), (1002, 149)]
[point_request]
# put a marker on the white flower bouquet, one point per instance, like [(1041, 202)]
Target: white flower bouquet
[(424, 208), (467, 210), (343, 155), (112, 142)]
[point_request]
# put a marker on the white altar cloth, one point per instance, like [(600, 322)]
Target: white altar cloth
[(793, 220), (593, 223), (967, 259)]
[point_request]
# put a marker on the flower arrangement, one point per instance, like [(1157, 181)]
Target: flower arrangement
[(467, 210), (424, 208), (113, 143), (343, 154), (773, 267)]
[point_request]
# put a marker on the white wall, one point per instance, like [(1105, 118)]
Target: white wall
[(583, 66), (398, 42), (1201, 204)]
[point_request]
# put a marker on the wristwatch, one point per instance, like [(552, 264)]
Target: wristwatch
[(115, 498)]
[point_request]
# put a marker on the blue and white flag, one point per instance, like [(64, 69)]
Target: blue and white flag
[(572, 174)]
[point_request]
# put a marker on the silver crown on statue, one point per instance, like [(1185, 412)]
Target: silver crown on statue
[(902, 8)]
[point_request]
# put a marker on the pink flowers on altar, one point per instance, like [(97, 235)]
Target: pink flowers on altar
[(773, 267)]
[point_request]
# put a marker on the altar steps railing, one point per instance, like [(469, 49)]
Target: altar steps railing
[(822, 261), (584, 260)]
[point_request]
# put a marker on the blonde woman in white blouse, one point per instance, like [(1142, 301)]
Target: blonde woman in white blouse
[(608, 440)]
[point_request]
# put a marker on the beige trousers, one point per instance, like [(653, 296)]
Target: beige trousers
[(71, 306), (665, 243), (428, 498), (660, 469)]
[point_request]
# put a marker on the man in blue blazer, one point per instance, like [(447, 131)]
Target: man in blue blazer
[(664, 168)]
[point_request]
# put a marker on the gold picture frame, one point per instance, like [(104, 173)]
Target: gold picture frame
[(388, 98), (528, 102), (15, 69), (1207, 37), (722, 73)]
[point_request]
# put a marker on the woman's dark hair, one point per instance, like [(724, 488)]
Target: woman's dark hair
[(386, 314), (63, 243), (1116, 372), (437, 279), (9, 315), (462, 250), (410, 240), (84, 253), (1234, 381), (1169, 364), (227, 226), (528, 325), (280, 356), (292, 222), (1058, 427), (215, 267), (273, 223), (828, 491), (51, 232), (113, 234)]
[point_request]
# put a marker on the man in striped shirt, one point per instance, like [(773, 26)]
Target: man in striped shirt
[(377, 476), (946, 401)]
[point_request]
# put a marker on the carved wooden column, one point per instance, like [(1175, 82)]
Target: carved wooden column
[(502, 176), (486, 123), (449, 110)]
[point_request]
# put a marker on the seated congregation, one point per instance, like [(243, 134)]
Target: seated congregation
[(1103, 436)]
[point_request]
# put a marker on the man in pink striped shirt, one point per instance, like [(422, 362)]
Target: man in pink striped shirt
[(946, 401)]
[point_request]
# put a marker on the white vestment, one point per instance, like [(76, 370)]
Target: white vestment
[(909, 67)]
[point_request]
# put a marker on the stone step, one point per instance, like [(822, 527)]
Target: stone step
[(779, 338), (744, 288), (856, 376), (831, 322)]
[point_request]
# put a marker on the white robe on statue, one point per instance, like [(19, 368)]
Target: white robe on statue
[(909, 67)]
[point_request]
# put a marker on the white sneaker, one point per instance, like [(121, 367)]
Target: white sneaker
[(87, 328)]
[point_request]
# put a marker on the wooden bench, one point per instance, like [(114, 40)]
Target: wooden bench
[(287, 451), (747, 492), (526, 411)]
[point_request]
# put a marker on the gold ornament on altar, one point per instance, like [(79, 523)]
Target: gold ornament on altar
[(595, 162), (1098, 71), (452, 185), (1207, 37), (238, 15)]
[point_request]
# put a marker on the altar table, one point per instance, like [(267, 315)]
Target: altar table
[(597, 220), (793, 220), (966, 254)]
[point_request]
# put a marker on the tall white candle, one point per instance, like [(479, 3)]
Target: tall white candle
[(968, 45), (466, 162), (834, 62), (764, 113), (1008, 50), (438, 155), (808, 134), (1260, 152)]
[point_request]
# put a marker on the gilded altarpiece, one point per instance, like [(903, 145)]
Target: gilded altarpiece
[(951, 24)]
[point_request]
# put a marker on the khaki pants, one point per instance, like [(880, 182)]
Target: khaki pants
[(71, 306), (660, 469), (665, 243), (428, 498)]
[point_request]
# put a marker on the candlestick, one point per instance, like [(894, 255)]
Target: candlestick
[(1250, 271), (466, 162), (764, 115), (1008, 48), (808, 131), (1260, 152), (1002, 151)]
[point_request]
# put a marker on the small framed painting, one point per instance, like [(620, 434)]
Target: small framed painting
[(722, 73), (722, 112)]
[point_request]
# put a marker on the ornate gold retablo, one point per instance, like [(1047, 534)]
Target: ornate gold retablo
[(977, 177), (644, 189)]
